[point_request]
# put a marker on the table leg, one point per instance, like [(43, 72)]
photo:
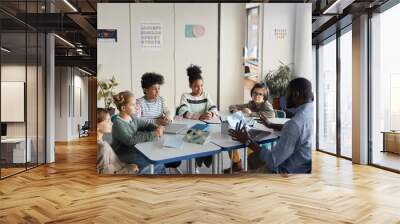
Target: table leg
[(192, 166), (231, 161), (245, 159), (151, 169), (218, 162), (222, 162), (214, 165)]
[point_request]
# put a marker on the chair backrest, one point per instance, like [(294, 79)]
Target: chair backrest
[(86, 125), (280, 114)]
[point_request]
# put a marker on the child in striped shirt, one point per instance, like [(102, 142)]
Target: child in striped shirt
[(152, 108), (197, 104)]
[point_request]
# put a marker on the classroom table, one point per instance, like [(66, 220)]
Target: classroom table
[(227, 144), (156, 153)]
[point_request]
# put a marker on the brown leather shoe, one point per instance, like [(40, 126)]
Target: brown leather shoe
[(236, 167)]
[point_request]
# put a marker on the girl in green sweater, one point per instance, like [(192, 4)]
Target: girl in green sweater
[(127, 131)]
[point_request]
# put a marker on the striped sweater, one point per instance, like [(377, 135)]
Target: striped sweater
[(150, 111), (193, 106)]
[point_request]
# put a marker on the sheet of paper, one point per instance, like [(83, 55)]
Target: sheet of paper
[(237, 117), (173, 141)]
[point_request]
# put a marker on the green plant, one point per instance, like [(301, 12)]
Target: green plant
[(277, 80), (106, 91)]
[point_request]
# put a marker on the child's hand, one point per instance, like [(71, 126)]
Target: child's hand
[(159, 131), (162, 121), (246, 111), (168, 119), (264, 120), (206, 116)]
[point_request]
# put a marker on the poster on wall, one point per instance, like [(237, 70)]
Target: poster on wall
[(194, 31), (107, 34), (151, 36), (279, 33)]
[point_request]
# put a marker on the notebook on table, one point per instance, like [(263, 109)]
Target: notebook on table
[(173, 141), (175, 128)]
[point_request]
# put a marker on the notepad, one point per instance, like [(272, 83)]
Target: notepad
[(237, 117), (173, 141), (175, 128)]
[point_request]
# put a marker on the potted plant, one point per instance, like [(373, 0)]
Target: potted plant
[(277, 81), (106, 92)]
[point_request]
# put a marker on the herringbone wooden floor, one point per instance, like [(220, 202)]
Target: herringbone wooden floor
[(70, 191)]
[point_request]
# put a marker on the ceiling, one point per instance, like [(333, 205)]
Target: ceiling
[(76, 23)]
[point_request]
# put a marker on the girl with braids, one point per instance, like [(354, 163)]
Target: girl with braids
[(197, 104), (127, 131)]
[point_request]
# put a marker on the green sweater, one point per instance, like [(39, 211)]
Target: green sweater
[(125, 135)]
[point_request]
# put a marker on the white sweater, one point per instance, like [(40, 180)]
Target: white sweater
[(193, 106)]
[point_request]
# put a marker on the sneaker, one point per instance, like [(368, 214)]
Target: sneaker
[(236, 167)]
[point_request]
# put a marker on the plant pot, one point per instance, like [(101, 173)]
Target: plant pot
[(276, 103)]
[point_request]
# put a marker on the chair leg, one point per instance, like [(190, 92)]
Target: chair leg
[(179, 170)]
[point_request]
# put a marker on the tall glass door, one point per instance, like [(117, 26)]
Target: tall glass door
[(327, 96)]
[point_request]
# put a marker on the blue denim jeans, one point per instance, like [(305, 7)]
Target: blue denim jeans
[(144, 165)]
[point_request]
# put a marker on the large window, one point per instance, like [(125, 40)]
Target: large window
[(346, 93), (335, 74), (327, 96), (252, 35), (385, 88), (251, 57)]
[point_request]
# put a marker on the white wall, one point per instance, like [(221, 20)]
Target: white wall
[(114, 58), (202, 51), (69, 82), (80, 103), (303, 42), (125, 57), (160, 61), (277, 16), (296, 47), (233, 22), (62, 113), (127, 61)]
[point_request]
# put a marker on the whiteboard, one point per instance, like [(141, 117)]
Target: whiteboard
[(12, 101)]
